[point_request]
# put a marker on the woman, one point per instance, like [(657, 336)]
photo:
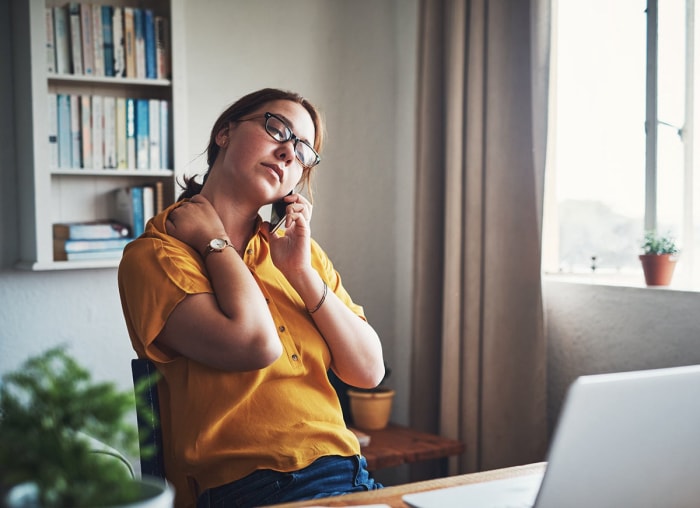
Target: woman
[(244, 324)]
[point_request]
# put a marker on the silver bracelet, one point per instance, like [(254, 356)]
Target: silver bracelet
[(323, 299)]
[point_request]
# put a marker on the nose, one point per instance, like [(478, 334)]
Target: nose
[(285, 151)]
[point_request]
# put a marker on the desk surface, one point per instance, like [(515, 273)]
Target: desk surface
[(396, 445), (392, 495)]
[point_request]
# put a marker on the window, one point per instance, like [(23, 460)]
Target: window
[(603, 189)]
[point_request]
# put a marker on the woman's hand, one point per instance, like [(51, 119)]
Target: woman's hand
[(195, 222), (291, 253)]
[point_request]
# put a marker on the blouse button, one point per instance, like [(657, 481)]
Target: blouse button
[(295, 358), (282, 328)]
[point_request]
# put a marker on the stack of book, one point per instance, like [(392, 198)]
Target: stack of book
[(136, 205), (104, 40), (104, 132), (105, 239)]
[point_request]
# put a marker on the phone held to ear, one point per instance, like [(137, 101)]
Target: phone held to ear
[(278, 213)]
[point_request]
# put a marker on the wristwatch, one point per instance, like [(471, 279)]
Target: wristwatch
[(217, 245)]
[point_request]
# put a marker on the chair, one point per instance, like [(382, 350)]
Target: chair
[(145, 377)]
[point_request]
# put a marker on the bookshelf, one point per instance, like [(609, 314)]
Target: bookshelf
[(52, 193)]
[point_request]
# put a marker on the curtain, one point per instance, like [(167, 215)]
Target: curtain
[(479, 352)]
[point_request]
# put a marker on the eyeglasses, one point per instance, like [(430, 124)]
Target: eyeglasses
[(281, 132)]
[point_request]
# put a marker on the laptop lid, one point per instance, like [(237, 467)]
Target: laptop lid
[(627, 439), (623, 439)]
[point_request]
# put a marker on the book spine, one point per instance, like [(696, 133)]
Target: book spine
[(118, 42), (139, 43), (86, 129), (91, 245), (150, 38), (120, 131), (154, 133), (110, 138), (53, 130), (149, 204), (62, 35), (164, 135), (90, 230), (162, 36), (75, 148), (64, 141), (131, 133), (75, 37), (129, 42), (50, 42), (158, 198), (97, 132), (107, 40), (142, 131), (128, 203), (98, 43), (87, 43)]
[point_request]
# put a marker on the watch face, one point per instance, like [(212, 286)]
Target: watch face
[(217, 244)]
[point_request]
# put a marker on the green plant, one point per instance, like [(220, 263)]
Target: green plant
[(655, 243), (47, 407)]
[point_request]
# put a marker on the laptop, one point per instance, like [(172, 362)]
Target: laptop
[(622, 439)]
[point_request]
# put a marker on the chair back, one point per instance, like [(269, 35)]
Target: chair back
[(150, 435)]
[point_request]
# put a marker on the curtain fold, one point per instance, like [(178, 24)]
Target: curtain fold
[(478, 313)]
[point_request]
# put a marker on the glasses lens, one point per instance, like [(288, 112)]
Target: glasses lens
[(277, 129), (306, 155)]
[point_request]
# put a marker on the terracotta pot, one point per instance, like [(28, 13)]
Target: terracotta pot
[(658, 268), (371, 410)]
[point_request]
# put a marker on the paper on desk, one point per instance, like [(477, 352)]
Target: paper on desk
[(356, 506)]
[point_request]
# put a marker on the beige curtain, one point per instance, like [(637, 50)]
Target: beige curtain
[(478, 314)]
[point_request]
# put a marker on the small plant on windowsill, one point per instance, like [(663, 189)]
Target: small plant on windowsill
[(659, 257)]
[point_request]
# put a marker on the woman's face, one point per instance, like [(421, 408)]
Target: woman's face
[(254, 159)]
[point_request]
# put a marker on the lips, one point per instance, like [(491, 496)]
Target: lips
[(276, 169)]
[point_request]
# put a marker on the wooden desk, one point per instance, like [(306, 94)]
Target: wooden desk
[(392, 495), (396, 445)]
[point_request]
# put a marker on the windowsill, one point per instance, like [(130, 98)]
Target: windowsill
[(627, 280)]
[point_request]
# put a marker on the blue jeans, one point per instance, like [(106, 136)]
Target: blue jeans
[(327, 476)]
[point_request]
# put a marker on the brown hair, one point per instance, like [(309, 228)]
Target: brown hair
[(243, 107)]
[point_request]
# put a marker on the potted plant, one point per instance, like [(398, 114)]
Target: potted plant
[(659, 256), (51, 417), (370, 408)]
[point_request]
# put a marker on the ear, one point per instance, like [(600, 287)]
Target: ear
[(222, 137)]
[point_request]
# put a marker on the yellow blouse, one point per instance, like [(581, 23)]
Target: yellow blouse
[(220, 426)]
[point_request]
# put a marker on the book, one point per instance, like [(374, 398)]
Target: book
[(162, 40), (87, 44), (120, 131), (128, 208), (98, 45), (90, 230), (86, 129), (64, 142), (149, 203), (50, 42), (66, 245), (107, 40), (164, 134), (75, 148), (131, 133), (97, 132), (129, 42), (154, 133), (142, 131), (62, 40), (118, 43), (91, 255), (110, 138), (76, 44), (158, 198), (149, 30), (53, 130), (139, 43)]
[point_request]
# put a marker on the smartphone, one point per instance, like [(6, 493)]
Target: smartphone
[(278, 213)]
